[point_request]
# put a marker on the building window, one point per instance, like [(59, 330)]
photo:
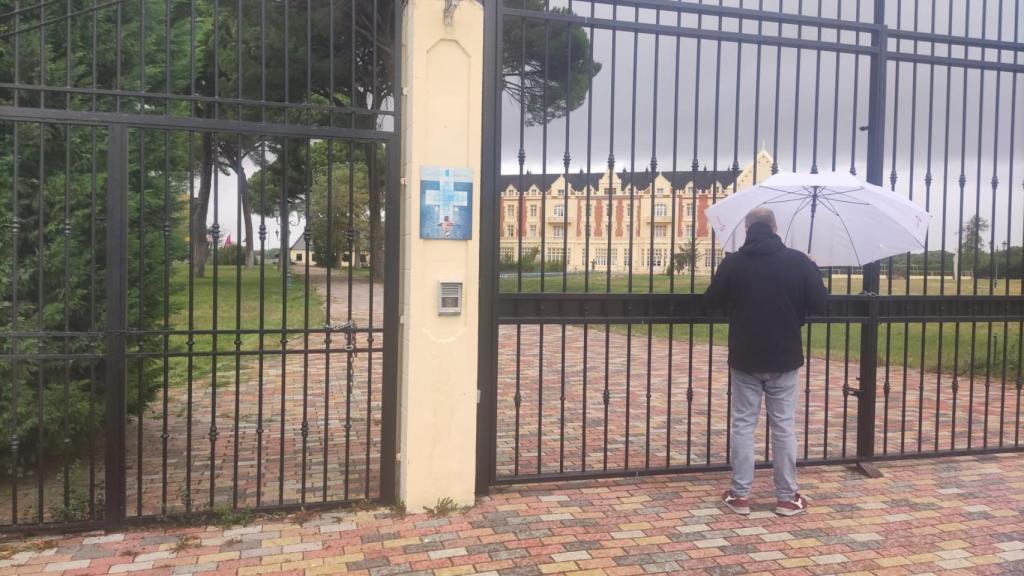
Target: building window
[(559, 210), (719, 254), (510, 231), (657, 258), (510, 211), (508, 254), (558, 231), (661, 231), (689, 231), (533, 211), (561, 191), (660, 210), (298, 256), (661, 191), (689, 210), (555, 254), (533, 230)]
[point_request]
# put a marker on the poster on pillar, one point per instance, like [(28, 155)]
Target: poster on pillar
[(446, 203)]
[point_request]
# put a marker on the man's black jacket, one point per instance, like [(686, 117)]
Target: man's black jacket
[(767, 290)]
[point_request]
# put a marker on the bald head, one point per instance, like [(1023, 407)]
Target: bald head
[(761, 214)]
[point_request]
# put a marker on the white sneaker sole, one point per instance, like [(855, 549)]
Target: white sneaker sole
[(789, 512)]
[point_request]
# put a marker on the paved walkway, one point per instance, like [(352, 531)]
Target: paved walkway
[(597, 399), (949, 516)]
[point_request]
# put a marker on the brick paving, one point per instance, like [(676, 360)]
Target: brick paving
[(956, 516), (343, 418), (678, 425), (342, 422), (666, 407)]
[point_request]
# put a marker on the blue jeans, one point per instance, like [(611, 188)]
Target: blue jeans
[(779, 390)]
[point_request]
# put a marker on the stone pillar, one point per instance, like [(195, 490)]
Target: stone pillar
[(441, 126)]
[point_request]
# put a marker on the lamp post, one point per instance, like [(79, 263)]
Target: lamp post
[(995, 265)]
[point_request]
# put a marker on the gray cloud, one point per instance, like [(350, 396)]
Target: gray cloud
[(806, 107)]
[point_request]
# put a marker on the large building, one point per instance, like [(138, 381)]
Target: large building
[(552, 218)]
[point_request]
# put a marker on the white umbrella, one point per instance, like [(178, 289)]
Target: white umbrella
[(832, 216)]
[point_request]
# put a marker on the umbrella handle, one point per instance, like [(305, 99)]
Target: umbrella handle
[(814, 209)]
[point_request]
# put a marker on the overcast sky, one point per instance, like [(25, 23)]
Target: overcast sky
[(820, 105)]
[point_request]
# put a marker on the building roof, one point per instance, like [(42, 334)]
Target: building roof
[(300, 242), (705, 179)]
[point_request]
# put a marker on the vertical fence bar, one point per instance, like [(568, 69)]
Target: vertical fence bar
[(942, 263), (261, 330), (116, 323), (392, 266), (490, 204), (284, 257), (350, 335), (869, 329), (240, 255), (15, 239), (1009, 232), (542, 225), (139, 345), (373, 201), (928, 179), (66, 228), (565, 192), (304, 426), (40, 307)]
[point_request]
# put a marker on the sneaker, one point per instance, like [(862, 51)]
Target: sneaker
[(791, 507), (737, 504)]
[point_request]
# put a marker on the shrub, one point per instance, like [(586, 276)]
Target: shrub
[(51, 406)]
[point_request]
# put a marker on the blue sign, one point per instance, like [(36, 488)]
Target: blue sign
[(446, 203)]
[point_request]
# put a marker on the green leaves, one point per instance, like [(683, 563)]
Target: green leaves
[(547, 68)]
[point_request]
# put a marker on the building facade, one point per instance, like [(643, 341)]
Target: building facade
[(298, 253), (617, 221)]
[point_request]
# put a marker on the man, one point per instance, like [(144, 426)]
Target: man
[(767, 291)]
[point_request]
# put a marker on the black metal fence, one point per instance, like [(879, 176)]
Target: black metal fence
[(611, 124), (199, 209)]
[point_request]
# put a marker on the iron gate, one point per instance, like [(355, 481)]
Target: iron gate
[(611, 124), (200, 252)]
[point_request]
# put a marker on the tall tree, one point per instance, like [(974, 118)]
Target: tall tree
[(972, 245), (686, 257), (547, 69), (339, 54), (53, 212)]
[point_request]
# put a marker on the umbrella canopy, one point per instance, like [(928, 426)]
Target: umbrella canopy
[(832, 216)]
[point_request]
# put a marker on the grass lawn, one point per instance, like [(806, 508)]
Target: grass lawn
[(272, 308), (981, 346), (893, 341), (659, 283)]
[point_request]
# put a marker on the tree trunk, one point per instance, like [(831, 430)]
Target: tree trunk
[(200, 206), (243, 192)]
